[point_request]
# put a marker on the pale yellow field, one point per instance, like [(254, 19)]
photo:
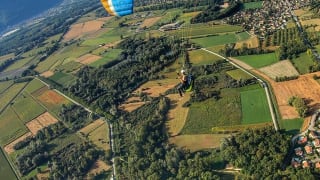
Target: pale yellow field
[(6, 57), (177, 114), (312, 22), (280, 69), (89, 128), (252, 42), (150, 22), (88, 59), (197, 142)]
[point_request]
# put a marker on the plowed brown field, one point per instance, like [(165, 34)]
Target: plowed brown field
[(40, 122)]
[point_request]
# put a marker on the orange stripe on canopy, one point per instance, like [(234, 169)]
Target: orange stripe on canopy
[(107, 7)]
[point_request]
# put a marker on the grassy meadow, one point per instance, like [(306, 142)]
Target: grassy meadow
[(238, 74), (220, 39), (10, 93), (5, 85), (6, 171), (112, 54), (63, 79), (200, 57), (34, 85), (302, 63), (258, 61)]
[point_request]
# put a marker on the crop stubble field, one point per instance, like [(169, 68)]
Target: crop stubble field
[(280, 69)]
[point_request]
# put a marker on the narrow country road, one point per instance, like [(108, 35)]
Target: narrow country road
[(264, 84)]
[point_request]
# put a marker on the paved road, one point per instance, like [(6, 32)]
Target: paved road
[(264, 84)]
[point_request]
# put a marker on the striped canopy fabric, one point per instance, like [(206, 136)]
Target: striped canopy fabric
[(118, 7)]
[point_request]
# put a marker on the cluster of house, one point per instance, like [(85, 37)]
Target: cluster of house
[(272, 16), (307, 151)]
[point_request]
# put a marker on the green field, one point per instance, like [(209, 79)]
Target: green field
[(201, 30), (293, 125), (26, 108), (69, 67), (34, 85), (10, 93), (18, 64), (11, 127), (168, 16), (110, 36), (203, 116), (238, 74), (6, 171), (302, 63), (112, 54), (186, 17), (200, 57), (64, 140), (252, 5), (4, 85), (220, 39), (63, 79), (258, 61), (254, 107), (6, 57)]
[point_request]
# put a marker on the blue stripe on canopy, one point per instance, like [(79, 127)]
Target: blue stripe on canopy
[(122, 7)]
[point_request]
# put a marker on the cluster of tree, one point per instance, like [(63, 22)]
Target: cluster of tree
[(260, 154), (140, 61), (286, 78), (291, 49), (30, 37), (8, 62), (243, 51), (315, 6), (146, 154), (73, 162), (214, 12), (36, 148), (76, 116), (299, 104)]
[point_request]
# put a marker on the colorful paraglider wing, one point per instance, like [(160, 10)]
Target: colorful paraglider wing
[(118, 7)]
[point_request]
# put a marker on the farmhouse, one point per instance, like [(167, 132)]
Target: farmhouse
[(305, 164), (316, 142)]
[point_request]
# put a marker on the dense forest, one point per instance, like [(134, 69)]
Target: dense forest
[(108, 85)]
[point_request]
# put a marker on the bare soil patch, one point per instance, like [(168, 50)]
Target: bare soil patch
[(197, 142), (305, 87), (44, 175), (47, 74), (98, 167), (88, 59), (9, 148), (252, 42), (41, 122), (51, 97), (177, 114), (129, 107), (280, 69), (79, 30), (150, 22), (91, 127)]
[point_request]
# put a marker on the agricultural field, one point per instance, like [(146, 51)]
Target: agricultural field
[(82, 29), (220, 39), (254, 107), (302, 63), (26, 108), (91, 127), (156, 87), (88, 59), (186, 17), (9, 149), (169, 16), (35, 84), (69, 67), (50, 99), (11, 127), (210, 113), (63, 79), (216, 48), (200, 57), (64, 140), (40, 122), (258, 61), (100, 137), (291, 124), (304, 87), (252, 42), (253, 5), (280, 69), (150, 22), (315, 21), (10, 93), (98, 167), (202, 30), (18, 64), (198, 141), (5, 85), (111, 35), (110, 55), (6, 171), (6, 57), (131, 104), (238, 74), (177, 115)]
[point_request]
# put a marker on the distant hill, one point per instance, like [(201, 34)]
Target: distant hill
[(16, 11)]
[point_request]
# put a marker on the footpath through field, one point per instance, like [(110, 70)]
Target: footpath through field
[(264, 84)]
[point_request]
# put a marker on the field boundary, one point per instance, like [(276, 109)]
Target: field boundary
[(16, 173), (264, 85)]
